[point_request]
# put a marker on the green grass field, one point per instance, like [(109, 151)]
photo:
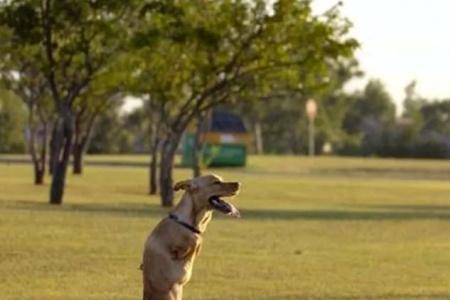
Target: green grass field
[(326, 228)]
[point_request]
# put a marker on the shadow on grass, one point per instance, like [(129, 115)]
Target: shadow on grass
[(418, 207), (114, 209), (144, 210), (345, 215), (398, 173), (406, 296), (356, 172)]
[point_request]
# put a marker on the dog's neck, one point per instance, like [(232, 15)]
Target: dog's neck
[(186, 211)]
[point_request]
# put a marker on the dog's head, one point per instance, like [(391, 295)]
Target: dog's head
[(207, 192)]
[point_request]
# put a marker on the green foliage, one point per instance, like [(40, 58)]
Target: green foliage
[(413, 102), (421, 132), (431, 137), (136, 123), (109, 136), (374, 103), (12, 123), (436, 117), (368, 113), (68, 41), (200, 53), (116, 132), (184, 55)]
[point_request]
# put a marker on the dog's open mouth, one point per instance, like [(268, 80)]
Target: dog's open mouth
[(224, 206)]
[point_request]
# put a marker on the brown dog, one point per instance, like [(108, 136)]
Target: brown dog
[(171, 248)]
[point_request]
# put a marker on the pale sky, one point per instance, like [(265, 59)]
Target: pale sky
[(401, 40)]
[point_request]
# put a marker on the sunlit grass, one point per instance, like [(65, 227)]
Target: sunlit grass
[(327, 228)]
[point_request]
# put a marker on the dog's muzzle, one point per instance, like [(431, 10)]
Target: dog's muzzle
[(224, 206)]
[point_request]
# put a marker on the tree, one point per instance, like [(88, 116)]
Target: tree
[(200, 129), (436, 116), (72, 42), (12, 120), (32, 90), (434, 138), (374, 102), (109, 134), (19, 75), (103, 94), (412, 102), (371, 111), (212, 51), (278, 118)]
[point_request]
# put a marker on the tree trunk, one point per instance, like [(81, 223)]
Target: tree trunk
[(39, 164), (52, 154), (80, 143), (38, 175), (168, 150), (156, 116), (258, 138), (196, 161), (63, 144), (39, 169), (77, 157), (153, 168), (38, 159), (198, 146), (44, 149), (76, 147)]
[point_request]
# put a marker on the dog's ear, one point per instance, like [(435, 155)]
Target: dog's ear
[(186, 185)]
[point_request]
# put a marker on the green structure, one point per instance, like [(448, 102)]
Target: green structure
[(225, 142)]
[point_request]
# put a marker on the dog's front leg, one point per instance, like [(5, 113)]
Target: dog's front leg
[(181, 252), (185, 248)]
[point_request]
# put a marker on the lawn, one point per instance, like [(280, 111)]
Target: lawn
[(328, 228)]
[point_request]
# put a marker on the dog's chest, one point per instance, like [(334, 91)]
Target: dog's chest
[(185, 247), (186, 255)]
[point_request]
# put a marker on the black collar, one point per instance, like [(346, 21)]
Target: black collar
[(184, 224)]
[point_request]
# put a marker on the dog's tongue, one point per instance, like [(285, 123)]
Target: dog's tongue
[(224, 207)]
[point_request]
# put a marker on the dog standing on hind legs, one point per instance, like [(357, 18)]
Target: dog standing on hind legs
[(173, 245)]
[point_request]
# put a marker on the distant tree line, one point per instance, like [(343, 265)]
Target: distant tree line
[(361, 123)]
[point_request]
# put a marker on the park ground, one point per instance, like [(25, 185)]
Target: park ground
[(324, 228)]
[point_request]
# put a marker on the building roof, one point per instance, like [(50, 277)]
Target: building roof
[(223, 121)]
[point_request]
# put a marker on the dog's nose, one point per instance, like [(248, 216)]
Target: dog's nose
[(237, 185)]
